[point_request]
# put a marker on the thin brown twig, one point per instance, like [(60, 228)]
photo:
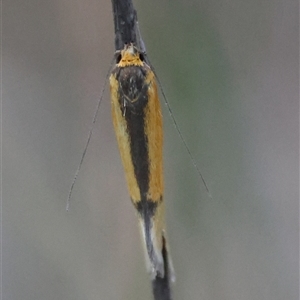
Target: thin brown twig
[(127, 31)]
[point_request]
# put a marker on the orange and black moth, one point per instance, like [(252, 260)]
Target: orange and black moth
[(137, 120)]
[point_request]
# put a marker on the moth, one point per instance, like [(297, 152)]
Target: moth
[(138, 124)]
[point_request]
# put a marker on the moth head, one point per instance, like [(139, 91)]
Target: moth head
[(129, 56)]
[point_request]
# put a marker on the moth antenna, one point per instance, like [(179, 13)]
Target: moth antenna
[(180, 134), (89, 138)]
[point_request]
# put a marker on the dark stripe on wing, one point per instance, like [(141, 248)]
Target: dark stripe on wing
[(133, 98)]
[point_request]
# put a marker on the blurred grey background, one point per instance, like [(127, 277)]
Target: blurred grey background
[(230, 70)]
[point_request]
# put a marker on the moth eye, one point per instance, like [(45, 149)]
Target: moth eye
[(142, 57), (118, 57)]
